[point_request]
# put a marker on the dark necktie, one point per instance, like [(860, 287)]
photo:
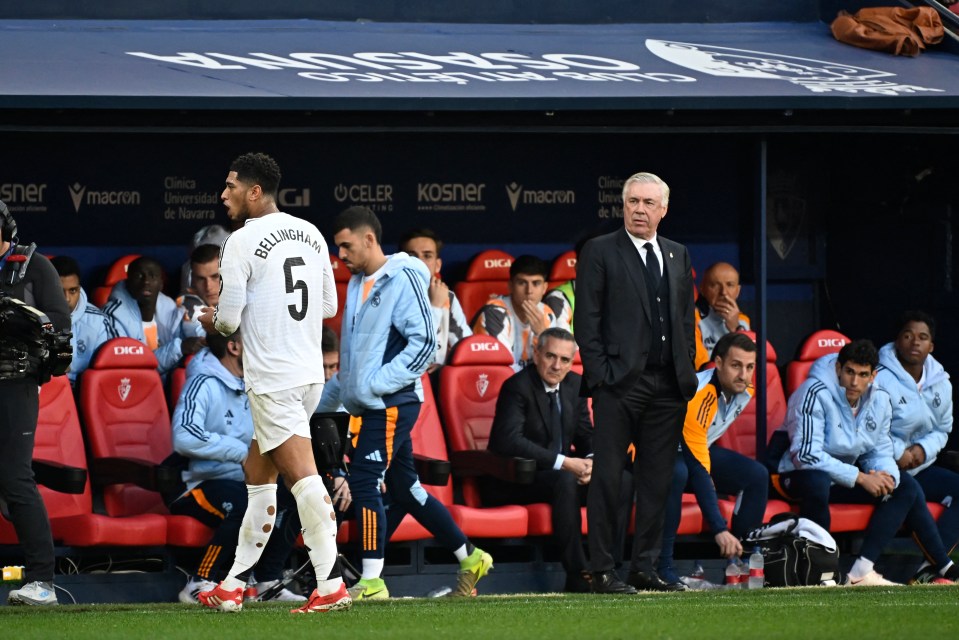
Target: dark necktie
[(555, 421), (652, 264)]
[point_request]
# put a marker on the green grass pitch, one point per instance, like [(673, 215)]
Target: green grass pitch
[(927, 613)]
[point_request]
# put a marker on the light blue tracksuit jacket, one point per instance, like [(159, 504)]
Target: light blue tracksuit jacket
[(212, 425), (387, 341), (127, 320), (824, 435), (918, 417)]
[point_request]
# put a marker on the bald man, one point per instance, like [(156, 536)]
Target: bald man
[(717, 312)]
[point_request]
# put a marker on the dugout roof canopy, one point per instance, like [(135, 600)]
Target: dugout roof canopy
[(364, 66)]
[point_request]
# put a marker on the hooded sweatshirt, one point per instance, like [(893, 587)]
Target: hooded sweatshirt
[(824, 435), (128, 321), (387, 340), (920, 416), (212, 425)]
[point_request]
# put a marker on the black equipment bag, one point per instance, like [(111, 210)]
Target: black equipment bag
[(796, 552)]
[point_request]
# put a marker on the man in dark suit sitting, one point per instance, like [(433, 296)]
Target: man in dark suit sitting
[(539, 415)]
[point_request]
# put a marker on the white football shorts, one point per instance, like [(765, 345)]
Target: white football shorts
[(280, 414)]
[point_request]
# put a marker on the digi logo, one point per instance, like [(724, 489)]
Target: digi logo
[(497, 263), (128, 351), (831, 342), (484, 346)]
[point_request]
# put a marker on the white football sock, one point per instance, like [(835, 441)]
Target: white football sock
[(319, 530), (258, 521)]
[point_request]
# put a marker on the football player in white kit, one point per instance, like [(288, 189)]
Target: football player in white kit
[(277, 284)]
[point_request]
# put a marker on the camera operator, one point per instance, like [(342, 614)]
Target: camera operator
[(31, 349)]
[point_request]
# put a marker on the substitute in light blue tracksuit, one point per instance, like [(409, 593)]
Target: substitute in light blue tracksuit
[(840, 451), (387, 342), (91, 327), (920, 394), (212, 428), (140, 310)]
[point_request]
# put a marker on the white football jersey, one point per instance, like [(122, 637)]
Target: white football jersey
[(277, 288)]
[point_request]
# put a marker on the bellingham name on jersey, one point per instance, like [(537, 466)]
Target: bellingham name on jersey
[(282, 235)]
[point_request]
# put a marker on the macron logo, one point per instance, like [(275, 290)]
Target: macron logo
[(76, 195), (513, 190)]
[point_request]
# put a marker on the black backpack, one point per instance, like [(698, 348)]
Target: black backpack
[(796, 552)]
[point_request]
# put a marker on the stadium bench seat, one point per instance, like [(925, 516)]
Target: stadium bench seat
[(563, 268), (125, 415), (817, 345), (487, 274), (341, 276), (116, 273), (469, 386), (59, 440)]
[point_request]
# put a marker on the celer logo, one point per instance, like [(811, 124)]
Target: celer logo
[(79, 195), (124, 389), (484, 346), (294, 197), (518, 195), (133, 350), (831, 342), (449, 192), (76, 194), (482, 384), (497, 263), (377, 193)]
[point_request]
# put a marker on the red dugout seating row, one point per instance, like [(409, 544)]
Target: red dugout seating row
[(126, 416), (127, 429)]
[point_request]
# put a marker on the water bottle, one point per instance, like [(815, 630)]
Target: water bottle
[(756, 573), (733, 575), (697, 579)]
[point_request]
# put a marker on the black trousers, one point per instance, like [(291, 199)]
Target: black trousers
[(565, 497), (649, 415), (19, 408)]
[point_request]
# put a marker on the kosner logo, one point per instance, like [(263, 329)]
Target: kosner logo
[(80, 196)]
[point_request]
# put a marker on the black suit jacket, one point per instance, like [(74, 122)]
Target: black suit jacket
[(521, 425), (612, 314)]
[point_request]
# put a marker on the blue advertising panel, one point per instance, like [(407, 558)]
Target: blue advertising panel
[(373, 66)]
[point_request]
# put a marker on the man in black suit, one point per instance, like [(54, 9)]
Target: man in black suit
[(635, 328), (540, 415)]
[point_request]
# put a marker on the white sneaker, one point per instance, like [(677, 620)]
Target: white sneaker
[(871, 579), (283, 595), (33, 593), (188, 595)]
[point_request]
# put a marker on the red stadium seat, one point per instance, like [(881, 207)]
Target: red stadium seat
[(469, 386), (341, 276), (817, 345), (125, 414), (116, 273), (72, 521), (118, 270), (563, 269), (488, 274)]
